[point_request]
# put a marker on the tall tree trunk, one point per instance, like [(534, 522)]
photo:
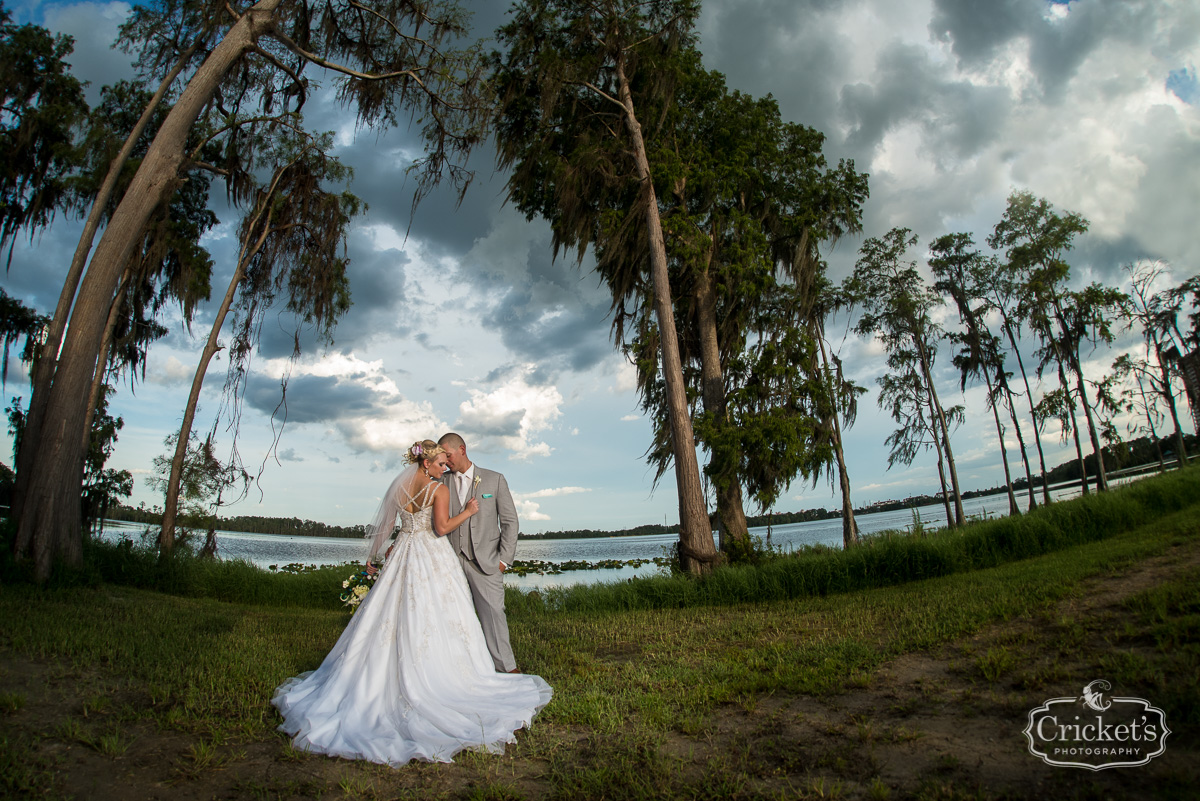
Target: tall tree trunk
[(1101, 474), (731, 514), (849, 525), (166, 534), (1169, 397), (1037, 429), (44, 371), (49, 525), (697, 553), (1012, 414), (1013, 509), (250, 248), (937, 447), (940, 423), (1083, 482)]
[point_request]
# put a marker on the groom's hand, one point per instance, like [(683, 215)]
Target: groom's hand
[(503, 567)]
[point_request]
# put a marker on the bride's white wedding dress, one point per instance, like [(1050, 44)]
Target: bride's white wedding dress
[(411, 676)]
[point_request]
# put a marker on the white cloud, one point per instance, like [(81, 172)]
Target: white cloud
[(626, 378), (551, 493), (512, 416), (527, 509)]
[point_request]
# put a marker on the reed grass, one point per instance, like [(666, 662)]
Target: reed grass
[(890, 558)]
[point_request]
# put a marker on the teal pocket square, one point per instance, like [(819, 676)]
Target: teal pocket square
[(487, 494)]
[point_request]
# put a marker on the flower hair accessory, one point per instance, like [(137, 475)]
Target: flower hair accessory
[(415, 450)]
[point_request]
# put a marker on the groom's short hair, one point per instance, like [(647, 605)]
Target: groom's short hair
[(452, 440)]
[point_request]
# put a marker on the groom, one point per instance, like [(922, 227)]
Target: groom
[(486, 544)]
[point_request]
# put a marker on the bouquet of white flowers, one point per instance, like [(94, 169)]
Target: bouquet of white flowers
[(355, 588)]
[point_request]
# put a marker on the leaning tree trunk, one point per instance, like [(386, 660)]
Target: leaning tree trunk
[(940, 423), (1037, 429), (1169, 397), (166, 534), (110, 328), (43, 374), (49, 526), (937, 447), (1101, 474), (849, 525), (1013, 509), (1012, 414), (697, 553), (731, 513)]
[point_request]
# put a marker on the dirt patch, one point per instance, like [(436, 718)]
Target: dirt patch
[(947, 723)]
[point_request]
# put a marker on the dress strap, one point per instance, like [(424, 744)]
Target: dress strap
[(427, 493)]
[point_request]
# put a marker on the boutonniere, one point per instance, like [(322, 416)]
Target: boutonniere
[(477, 480)]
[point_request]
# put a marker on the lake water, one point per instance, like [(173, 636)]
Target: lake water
[(265, 550)]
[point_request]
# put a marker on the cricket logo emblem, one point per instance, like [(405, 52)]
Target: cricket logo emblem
[(1094, 730)]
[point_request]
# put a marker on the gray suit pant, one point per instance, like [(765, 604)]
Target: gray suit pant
[(488, 594)]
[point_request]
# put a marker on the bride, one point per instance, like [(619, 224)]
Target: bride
[(411, 676)]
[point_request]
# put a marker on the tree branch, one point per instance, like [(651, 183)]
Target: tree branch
[(295, 76), (287, 42)]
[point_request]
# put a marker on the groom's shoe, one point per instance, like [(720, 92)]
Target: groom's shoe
[(514, 670)]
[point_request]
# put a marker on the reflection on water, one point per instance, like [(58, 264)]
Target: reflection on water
[(265, 550)]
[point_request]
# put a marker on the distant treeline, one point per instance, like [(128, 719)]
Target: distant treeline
[(250, 524), (586, 533), (1135, 452)]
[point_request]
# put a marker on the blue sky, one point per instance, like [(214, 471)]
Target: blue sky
[(468, 324)]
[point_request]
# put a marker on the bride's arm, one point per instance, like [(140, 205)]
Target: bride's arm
[(443, 524)]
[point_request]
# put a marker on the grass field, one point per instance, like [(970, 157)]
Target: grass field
[(903, 671)]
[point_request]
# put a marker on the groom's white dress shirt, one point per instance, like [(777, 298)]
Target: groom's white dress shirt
[(463, 482)]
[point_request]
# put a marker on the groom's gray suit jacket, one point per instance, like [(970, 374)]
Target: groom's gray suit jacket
[(489, 537), (482, 543)]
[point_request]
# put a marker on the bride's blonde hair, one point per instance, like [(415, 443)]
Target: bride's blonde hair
[(422, 449)]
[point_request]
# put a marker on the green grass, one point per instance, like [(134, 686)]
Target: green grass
[(216, 663), (630, 679)]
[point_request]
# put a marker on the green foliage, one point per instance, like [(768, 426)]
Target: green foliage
[(19, 322), (202, 480), (187, 574), (43, 104), (898, 307)]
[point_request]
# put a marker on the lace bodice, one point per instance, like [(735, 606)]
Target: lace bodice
[(419, 521)]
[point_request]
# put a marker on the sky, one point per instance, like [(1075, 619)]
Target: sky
[(463, 321)]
